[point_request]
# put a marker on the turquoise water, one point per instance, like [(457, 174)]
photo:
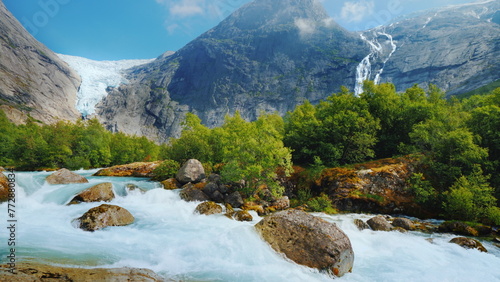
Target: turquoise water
[(170, 239)]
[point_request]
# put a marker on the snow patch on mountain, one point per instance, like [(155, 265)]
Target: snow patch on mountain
[(97, 76)]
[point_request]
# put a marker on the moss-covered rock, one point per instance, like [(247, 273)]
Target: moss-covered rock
[(308, 240), (99, 193), (469, 243), (29, 271), (208, 208), (170, 184), (65, 176), (4, 188), (103, 216), (243, 216), (139, 169), (458, 227), (404, 223)]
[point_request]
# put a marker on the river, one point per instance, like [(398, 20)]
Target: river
[(170, 239)]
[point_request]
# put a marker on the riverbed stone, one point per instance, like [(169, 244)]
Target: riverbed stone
[(4, 188), (243, 216), (30, 271), (190, 193), (103, 216), (208, 208), (404, 223), (360, 224), (102, 192), (458, 227), (191, 171), (469, 243), (234, 199), (65, 176), (138, 169), (170, 184), (308, 240), (379, 223)]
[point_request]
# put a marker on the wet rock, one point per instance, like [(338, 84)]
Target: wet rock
[(210, 188), (42, 272), (190, 194), (404, 223), (103, 216), (379, 223), (234, 199), (99, 193), (360, 224), (132, 187), (229, 211), (458, 227), (243, 216), (208, 208), (4, 188), (64, 176), (171, 184), (469, 243), (191, 171), (139, 169), (282, 203), (251, 206), (308, 240)]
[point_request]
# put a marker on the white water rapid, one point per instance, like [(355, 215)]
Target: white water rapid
[(379, 53), (96, 77), (170, 239)]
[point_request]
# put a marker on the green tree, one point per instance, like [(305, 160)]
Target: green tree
[(470, 198)]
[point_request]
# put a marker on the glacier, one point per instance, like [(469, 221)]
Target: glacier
[(96, 77)]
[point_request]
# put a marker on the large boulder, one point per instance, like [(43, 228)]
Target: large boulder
[(404, 223), (99, 193), (4, 188), (308, 240), (139, 169), (458, 227), (379, 223), (192, 171), (103, 216), (469, 243), (208, 208), (29, 271), (190, 193), (234, 199), (64, 176)]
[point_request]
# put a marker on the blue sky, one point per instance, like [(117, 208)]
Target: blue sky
[(140, 29)]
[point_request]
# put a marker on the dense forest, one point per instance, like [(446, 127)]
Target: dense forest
[(457, 142)]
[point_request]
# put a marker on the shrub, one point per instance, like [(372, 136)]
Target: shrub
[(167, 169), (321, 204)]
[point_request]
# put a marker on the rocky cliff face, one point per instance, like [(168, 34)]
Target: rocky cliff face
[(457, 48), (267, 56), (33, 80)]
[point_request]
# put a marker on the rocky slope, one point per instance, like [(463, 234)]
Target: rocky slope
[(271, 55), (457, 48), (33, 80), (267, 56)]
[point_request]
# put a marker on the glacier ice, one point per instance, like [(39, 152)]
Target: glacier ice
[(96, 77)]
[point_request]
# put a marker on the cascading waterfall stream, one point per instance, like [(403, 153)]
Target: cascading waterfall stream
[(377, 53), (168, 238)]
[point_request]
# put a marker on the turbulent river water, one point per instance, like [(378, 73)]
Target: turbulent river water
[(170, 239)]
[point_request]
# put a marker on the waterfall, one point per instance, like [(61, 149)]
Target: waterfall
[(379, 52)]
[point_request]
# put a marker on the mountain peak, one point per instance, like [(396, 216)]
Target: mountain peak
[(264, 14)]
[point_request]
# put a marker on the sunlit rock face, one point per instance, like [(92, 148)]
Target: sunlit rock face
[(267, 56), (33, 80)]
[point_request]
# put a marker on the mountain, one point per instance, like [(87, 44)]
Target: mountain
[(456, 47), (33, 80), (267, 56)]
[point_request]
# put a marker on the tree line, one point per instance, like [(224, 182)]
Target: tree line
[(456, 141)]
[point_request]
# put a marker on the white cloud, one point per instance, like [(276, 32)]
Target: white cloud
[(305, 26), (186, 8), (356, 11)]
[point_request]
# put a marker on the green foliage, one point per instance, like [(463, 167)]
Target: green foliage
[(422, 189), (339, 130), (167, 169), (470, 197), (321, 204), (71, 145)]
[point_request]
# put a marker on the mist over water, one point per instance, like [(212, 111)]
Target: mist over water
[(170, 239)]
